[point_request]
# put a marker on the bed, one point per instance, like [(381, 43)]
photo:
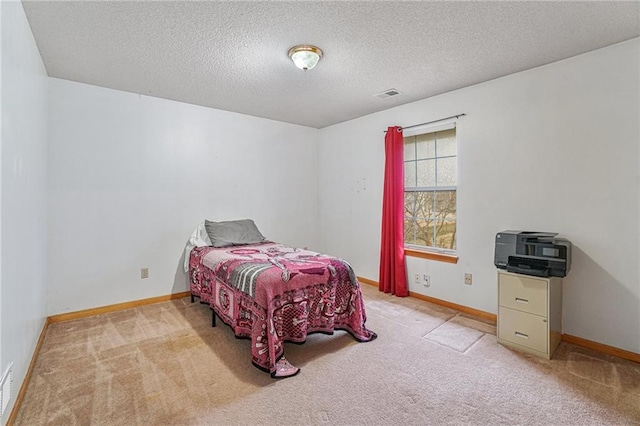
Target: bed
[(272, 293)]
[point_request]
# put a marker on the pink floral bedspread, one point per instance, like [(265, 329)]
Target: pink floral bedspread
[(272, 293)]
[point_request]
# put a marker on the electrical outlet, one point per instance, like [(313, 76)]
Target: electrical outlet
[(417, 279), (467, 279), (426, 280), (144, 273)]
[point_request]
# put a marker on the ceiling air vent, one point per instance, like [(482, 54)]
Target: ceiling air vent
[(388, 94)]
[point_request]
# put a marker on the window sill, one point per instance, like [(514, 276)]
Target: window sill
[(441, 257)]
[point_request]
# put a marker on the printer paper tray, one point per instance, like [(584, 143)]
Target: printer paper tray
[(528, 271)]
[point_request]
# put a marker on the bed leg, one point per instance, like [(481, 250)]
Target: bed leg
[(213, 318), (192, 298)]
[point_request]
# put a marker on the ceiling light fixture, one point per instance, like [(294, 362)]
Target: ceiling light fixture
[(305, 56)]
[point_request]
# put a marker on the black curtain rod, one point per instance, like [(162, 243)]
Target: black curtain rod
[(429, 122)]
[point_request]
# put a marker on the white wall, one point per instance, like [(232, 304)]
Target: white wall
[(131, 176), (23, 173), (554, 148), (2, 363)]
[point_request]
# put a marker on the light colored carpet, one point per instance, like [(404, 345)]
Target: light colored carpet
[(456, 335), (164, 365)]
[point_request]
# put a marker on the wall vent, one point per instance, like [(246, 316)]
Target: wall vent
[(388, 94), (5, 388)]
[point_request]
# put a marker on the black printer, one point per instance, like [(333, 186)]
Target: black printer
[(533, 253)]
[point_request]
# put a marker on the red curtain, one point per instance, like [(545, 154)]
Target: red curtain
[(392, 270)]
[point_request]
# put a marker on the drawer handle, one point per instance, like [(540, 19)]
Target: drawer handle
[(520, 300), (522, 335)]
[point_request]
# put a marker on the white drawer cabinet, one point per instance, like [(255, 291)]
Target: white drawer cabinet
[(529, 313)]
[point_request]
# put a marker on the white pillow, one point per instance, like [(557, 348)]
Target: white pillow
[(199, 238)]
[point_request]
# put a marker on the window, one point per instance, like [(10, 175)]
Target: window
[(430, 184)]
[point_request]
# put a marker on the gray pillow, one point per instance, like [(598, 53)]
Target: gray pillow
[(233, 232)]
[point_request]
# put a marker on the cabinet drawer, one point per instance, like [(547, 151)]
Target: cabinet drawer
[(523, 329), (523, 294)]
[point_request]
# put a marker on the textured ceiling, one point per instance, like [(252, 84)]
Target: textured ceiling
[(233, 55)]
